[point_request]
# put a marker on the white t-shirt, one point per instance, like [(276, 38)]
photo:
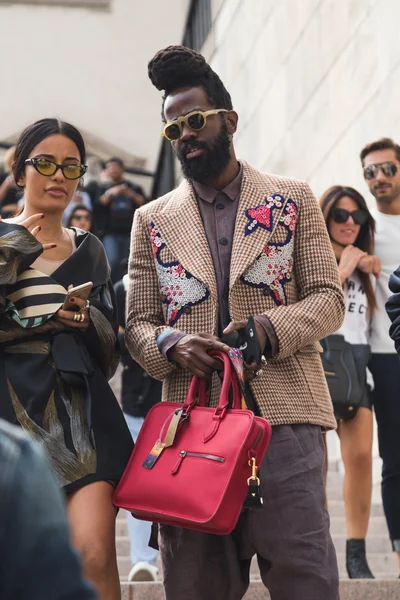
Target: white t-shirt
[(356, 325), (387, 247)]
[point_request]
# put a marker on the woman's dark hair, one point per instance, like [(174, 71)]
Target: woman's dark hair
[(365, 238), (177, 66), (36, 133), (75, 210)]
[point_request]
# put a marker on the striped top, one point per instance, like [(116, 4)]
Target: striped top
[(35, 297)]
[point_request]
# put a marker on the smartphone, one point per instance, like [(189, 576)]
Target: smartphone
[(80, 291)]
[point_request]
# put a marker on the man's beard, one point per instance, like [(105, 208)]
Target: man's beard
[(212, 161), (391, 195)]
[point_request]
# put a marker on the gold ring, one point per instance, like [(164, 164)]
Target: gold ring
[(82, 317), (76, 317)]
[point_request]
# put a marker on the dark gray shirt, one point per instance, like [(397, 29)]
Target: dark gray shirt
[(218, 209)]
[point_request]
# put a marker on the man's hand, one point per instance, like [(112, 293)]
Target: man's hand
[(249, 369), (370, 264), (113, 191), (191, 353)]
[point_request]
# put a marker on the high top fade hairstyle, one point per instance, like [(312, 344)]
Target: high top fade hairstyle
[(177, 67)]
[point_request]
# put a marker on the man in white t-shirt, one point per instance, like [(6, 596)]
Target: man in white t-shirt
[(381, 165)]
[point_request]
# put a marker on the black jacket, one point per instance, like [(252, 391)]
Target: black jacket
[(393, 308), (139, 391)]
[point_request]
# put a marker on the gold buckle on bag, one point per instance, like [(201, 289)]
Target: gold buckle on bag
[(254, 471)]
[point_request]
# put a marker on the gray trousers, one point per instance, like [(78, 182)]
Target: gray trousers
[(290, 534)]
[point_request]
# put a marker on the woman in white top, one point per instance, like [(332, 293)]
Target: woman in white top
[(351, 229)]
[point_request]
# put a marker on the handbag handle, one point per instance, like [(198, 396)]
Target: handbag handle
[(198, 387)]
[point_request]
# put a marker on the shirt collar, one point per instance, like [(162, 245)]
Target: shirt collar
[(208, 194)]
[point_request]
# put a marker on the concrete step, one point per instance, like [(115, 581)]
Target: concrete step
[(379, 563), (375, 544), (349, 590), (336, 509), (383, 565), (377, 527)]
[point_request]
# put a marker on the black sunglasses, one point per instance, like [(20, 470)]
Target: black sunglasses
[(81, 217), (341, 215), (389, 169), (48, 168)]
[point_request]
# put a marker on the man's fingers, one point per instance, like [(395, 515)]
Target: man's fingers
[(214, 344), (234, 326), (252, 366), (213, 363)]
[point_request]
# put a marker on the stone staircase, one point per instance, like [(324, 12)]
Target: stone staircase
[(382, 560)]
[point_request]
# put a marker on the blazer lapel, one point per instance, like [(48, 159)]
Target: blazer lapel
[(249, 244), (182, 229)]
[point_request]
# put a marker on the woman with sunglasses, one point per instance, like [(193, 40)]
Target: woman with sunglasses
[(351, 229), (54, 362), (80, 217)]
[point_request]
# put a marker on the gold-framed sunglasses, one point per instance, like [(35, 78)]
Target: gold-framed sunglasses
[(196, 120), (47, 167)]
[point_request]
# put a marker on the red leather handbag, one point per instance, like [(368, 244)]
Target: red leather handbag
[(192, 465)]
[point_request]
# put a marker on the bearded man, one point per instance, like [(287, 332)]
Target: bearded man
[(228, 244)]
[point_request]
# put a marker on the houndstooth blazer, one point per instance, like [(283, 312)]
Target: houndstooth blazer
[(282, 265)]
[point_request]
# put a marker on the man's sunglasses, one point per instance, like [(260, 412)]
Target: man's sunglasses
[(341, 215), (196, 120), (389, 169), (48, 168)]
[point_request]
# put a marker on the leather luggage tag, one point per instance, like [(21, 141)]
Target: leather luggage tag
[(159, 446)]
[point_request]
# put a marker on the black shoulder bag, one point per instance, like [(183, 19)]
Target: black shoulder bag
[(345, 365)]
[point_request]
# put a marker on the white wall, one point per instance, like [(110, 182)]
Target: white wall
[(88, 67), (313, 82)]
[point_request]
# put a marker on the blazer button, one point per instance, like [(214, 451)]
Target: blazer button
[(266, 291), (223, 241), (187, 310)]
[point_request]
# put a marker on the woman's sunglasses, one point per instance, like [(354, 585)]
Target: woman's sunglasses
[(81, 217), (341, 215), (48, 168), (389, 169), (196, 120)]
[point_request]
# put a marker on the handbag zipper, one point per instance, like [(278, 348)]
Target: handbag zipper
[(260, 430), (184, 453)]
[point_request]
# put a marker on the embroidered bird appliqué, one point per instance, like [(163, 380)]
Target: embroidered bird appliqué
[(272, 270), (179, 289)]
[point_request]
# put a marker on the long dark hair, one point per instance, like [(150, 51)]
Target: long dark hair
[(77, 208), (365, 238), (36, 133)]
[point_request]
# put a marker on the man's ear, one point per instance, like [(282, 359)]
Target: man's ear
[(232, 119)]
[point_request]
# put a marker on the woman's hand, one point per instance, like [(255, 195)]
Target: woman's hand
[(31, 224), (349, 260), (370, 264), (67, 317)]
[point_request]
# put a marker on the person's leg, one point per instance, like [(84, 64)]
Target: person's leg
[(201, 566), (385, 369), (290, 533), (111, 246), (356, 448), (139, 531), (92, 519)]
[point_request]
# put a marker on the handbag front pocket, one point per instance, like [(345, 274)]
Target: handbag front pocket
[(185, 454)]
